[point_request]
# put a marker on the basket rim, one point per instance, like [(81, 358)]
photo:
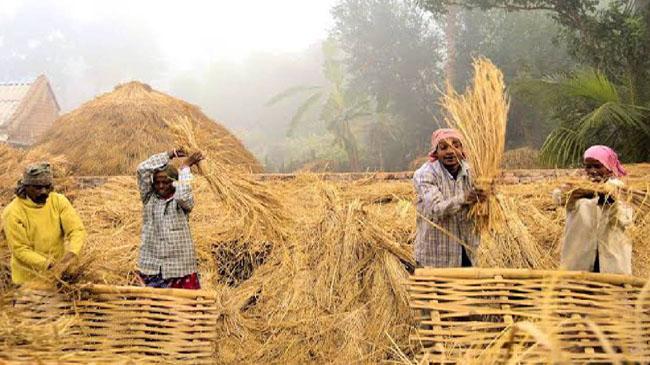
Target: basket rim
[(485, 273), (123, 289)]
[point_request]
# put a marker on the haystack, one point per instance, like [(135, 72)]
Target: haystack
[(111, 134)]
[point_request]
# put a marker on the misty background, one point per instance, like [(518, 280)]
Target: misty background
[(281, 74)]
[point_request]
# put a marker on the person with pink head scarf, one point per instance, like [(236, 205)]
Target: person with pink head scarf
[(445, 193), (594, 236)]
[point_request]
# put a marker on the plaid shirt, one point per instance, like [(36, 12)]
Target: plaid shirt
[(440, 200), (166, 246)]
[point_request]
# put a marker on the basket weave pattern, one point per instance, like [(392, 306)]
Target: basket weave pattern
[(463, 312), (113, 324)]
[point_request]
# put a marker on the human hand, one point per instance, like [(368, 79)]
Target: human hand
[(580, 193), (193, 159), (177, 152), (62, 265), (475, 195)]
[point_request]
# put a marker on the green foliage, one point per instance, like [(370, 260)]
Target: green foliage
[(339, 105), (522, 45), (393, 51), (589, 109)]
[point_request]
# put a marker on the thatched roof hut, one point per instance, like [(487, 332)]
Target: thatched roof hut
[(111, 134)]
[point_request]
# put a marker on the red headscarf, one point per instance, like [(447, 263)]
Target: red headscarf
[(440, 135), (607, 157)]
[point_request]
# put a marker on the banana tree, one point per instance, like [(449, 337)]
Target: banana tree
[(338, 105)]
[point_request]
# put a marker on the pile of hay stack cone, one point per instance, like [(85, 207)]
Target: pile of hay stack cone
[(111, 134)]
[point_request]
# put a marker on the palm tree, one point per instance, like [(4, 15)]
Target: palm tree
[(339, 105), (587, 108)]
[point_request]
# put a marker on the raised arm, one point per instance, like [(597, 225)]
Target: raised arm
[(183, 195), (145, 173)]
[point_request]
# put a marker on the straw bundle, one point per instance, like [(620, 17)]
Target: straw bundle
[(127, 126), (480, 114), (638, 199), (253, 207)]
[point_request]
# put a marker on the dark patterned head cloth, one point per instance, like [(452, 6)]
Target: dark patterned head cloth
[(170, 171), (35, 174)]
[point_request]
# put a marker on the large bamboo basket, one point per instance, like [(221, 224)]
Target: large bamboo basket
[(113, 324), (576, 317)]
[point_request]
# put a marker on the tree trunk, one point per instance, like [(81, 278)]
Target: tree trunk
[(451, 29), (351, 148)]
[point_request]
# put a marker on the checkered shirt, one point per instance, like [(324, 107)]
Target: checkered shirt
[(166, 243), (440, 200)]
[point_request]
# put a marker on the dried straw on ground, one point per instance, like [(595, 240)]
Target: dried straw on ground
[(111, 134), (331, 291), (480, 114), (329, 286)]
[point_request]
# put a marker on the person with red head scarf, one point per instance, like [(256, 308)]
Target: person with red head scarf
[(594, 236), (445, 193)]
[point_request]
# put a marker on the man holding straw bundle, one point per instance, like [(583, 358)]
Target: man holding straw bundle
[(167, 257), (445, 235), (594, 236), (43, 230)]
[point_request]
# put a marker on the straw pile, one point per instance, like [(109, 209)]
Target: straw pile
[(331, 290), (111, 134), (329, 287), (480, 114)]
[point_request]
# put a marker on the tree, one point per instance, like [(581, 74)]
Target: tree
[(603, 106), (522, 45), (339, 105), (393, 52), (589, 109), (614, 39)]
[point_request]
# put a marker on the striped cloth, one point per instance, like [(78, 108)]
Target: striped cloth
[(166, 243), (440, 200)]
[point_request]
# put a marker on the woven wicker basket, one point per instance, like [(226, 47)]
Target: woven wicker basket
[(112, 324), (578, 317)]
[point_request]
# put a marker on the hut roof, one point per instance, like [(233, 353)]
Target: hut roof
[(111, 134)]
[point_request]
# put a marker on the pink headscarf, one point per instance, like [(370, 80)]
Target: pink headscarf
[(607, 157), (442, 134)]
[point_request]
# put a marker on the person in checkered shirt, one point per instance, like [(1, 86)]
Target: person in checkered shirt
[(167, 258), (445, 235)]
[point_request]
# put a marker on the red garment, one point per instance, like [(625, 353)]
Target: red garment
[(186, 282), (190, 281)]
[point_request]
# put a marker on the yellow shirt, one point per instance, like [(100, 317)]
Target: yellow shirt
[(36, 234)]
